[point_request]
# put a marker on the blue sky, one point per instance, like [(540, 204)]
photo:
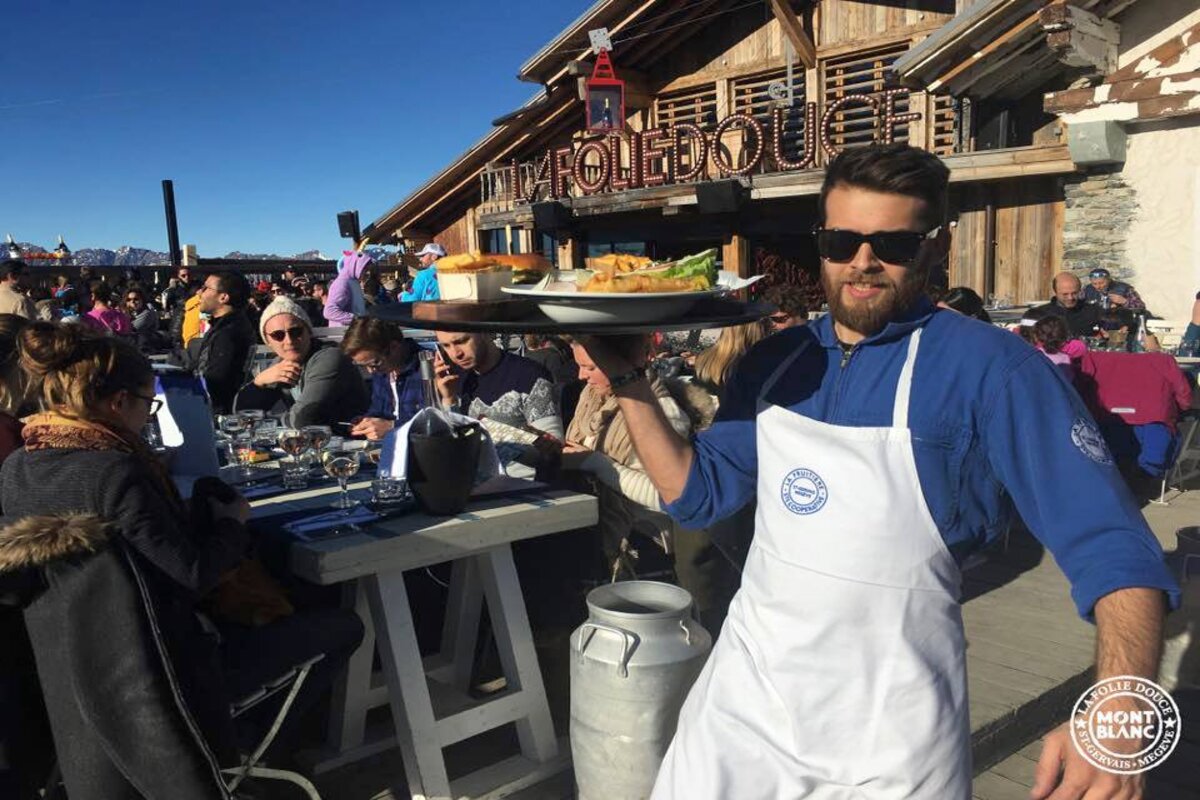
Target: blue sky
[(269, 116)]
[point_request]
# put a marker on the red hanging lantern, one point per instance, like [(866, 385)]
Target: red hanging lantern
[(605, 97)]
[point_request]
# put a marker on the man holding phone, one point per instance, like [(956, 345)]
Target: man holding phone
[(481, 380), (397, 392)]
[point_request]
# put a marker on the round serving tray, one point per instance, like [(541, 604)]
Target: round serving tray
[(525, 317)]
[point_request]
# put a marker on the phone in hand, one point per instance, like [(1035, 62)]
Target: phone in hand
[(341, 428), (445, 356)]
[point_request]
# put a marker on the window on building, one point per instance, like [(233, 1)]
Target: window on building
[(494, 241)]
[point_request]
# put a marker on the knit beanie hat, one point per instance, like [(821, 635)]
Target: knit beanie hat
[(282, 305)]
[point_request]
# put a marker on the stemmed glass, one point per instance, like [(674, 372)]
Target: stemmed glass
[(231, 427), (250, 419), (318, 437), (294, 442), (343, 465)]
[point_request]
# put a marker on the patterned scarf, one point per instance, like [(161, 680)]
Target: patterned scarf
[(51, 430)]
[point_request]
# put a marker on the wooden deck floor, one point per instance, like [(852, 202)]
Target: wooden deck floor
[(1029, 657)]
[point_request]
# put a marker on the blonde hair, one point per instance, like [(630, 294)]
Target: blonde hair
[(72, 370), (714, 364)]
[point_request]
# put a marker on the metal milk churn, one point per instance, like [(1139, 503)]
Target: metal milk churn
[(632, 665)]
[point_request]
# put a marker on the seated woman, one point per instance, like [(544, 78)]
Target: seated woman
[(314, 384), (397, 392), (83, 457), (598, 448)]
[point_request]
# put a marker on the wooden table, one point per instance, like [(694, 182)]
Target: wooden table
[(430, 705)]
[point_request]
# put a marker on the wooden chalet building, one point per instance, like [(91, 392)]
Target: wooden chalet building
[(732, 108)]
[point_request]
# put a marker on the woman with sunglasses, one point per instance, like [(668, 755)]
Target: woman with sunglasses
[(311, 383)]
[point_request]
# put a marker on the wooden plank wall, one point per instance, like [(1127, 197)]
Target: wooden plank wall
[(1028, 236), (845, 21)]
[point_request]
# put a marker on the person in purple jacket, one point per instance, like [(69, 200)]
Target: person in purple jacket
[(884, 444), (345, 300)]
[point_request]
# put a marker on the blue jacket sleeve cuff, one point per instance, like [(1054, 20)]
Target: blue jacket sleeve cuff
[(1105, 580), (688, 507)]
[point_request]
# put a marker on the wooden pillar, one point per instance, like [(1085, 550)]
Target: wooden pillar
[(735, 256), (570, 253)]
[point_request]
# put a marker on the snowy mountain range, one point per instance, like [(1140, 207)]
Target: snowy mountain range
[(126, 256)]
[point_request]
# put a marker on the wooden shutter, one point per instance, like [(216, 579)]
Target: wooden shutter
[(750, 96), (865, 72)]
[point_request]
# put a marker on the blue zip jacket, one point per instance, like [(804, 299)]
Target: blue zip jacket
[(991, 419), (409, 388), (424, 288)]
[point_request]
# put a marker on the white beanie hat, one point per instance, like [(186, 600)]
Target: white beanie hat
[(282, 305)]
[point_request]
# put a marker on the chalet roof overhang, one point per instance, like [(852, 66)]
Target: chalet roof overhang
[(1161, 84), (1006, 49), (651, 28)]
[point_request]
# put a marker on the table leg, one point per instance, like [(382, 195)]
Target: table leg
[(412, 709), (514, 640), (461, 629), (351, 691)]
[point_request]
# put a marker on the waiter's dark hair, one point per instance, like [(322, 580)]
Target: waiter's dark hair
[(892, 169)]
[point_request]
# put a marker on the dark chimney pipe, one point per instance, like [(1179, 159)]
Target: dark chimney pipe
[(172, 223)]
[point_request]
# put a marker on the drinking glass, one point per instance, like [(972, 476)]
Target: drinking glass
[(250, 419), (266, 431), (243, 450), (343, 465), (318, 437), (295, 443)]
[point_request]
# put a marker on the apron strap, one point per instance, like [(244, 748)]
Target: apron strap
[(775, 376), (904, 384)]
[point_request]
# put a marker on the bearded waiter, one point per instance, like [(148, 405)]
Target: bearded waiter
[(882, 444)]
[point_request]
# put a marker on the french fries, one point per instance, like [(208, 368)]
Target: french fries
[(642, 284)]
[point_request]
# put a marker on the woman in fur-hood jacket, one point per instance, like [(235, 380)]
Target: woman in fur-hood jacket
[(86, 505)]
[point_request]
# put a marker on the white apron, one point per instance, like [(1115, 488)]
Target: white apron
[(840, 672)]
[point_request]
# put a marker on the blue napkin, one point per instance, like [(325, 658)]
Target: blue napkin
[(338, 518)]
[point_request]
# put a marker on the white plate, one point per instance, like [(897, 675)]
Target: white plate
[(591, 307)]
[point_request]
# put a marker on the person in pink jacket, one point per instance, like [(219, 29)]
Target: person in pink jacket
[(345, 300), (103, 317)]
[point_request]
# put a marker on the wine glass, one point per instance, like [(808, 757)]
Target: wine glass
[(294, 442), (250, 419), (230, 427), (343, 465)]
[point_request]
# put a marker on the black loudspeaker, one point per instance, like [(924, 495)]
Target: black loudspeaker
[(551, 216), (719, 197), (348, 225)]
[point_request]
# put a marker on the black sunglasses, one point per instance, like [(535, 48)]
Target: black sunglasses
[(154, 403), (292, 333), (893, 247)]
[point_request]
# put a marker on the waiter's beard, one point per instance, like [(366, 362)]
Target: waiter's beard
[(868, 316)]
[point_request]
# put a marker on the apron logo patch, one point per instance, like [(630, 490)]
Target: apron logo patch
[(1088, 439), (804, 492)]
